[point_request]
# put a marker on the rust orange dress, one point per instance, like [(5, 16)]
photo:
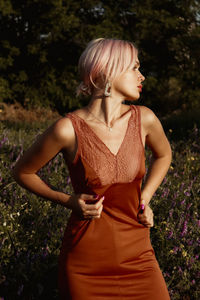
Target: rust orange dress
[(111, 257)]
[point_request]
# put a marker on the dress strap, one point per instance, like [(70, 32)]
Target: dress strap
[(77, 129), (138, 121)]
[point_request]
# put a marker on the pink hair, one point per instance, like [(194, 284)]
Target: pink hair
[(104, 59)]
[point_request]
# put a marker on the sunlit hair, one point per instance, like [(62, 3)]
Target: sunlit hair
[(103, 60)]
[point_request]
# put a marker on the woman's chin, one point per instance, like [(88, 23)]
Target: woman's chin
[(135, 98)]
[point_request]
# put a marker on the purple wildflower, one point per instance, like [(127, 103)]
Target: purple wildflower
[(192, 260), (186, 193), (182, 202), (184, 231), (180, 270), (171, 212), (165, 193), (189, 205), (173, 203), (170, 235), (190, 242), (165, 180), (175, 195), (176, 249), (5, 139)]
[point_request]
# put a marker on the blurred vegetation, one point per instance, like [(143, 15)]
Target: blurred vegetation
[(179, 124), (41, 41)]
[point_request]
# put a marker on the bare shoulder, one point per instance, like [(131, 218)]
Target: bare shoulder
[(63, 127), (147, 115), (148, 118), (61, 131)]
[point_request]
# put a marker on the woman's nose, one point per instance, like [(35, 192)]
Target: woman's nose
[(141, 76)]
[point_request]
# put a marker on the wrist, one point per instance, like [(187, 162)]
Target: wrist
[(63, 199), (146, 197)]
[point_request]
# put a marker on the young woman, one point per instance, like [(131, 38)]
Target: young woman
[(106, 252)]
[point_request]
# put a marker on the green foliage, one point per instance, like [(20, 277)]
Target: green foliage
[(31, 228), (168, 33), (41, 43), (5, 91)]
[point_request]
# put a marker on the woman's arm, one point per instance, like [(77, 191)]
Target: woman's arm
[(57, 137), (46, 146), (156, 140)]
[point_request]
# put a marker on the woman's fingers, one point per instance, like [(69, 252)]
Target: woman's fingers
[(91, 206), (146, 218), (94, 205), (148, 221)]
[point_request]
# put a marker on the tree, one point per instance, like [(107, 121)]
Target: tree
[(41, 42)]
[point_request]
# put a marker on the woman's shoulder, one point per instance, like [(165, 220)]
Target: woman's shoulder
[(148, 117), (62, 130)]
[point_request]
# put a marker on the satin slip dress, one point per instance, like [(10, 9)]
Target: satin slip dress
[(111, 257)]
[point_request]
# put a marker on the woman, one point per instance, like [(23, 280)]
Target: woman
[(106, 252)]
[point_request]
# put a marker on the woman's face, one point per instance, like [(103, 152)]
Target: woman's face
[(129, 84)]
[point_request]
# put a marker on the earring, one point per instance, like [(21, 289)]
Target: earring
[(107, 92)]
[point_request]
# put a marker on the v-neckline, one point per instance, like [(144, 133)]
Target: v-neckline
[(100, 140)]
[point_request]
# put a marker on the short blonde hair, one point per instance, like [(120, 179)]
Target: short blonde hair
[(104, 59)]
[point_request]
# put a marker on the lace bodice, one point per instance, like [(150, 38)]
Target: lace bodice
[(95, 165)]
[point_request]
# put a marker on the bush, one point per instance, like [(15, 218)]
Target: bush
[(31, 228)]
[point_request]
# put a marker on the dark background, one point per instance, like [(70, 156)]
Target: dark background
[(41, 41)]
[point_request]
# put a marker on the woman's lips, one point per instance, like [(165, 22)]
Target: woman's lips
[(140, 87)]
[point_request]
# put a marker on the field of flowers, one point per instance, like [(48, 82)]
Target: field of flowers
[(31, 228)]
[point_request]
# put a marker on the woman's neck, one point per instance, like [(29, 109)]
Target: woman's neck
[(106, 109)]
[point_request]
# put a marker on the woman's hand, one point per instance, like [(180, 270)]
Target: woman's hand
[(86, 206), (145, 217)]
